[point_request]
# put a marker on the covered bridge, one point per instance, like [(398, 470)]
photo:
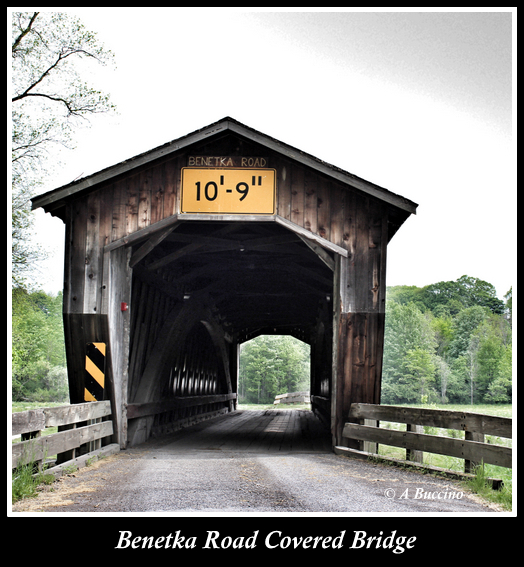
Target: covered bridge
[(177, 256)]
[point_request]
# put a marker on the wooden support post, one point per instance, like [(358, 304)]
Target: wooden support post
[(411, 454), (357, 373), (469, 466), (37, 465), (359, 316), (369, 446)]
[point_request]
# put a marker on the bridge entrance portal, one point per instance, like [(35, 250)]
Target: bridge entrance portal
[(176, 257)]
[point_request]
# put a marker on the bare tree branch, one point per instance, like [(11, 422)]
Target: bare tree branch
[(24, 32), (61, 57)]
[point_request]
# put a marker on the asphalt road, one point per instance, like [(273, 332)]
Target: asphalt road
[(185, 475)]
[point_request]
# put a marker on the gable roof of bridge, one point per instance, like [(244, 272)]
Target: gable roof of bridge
[(50, 200)]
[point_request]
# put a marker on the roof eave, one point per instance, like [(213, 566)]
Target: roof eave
[(51, 199)]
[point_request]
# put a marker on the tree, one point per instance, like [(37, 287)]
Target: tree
[(271, 365), (464, 325), (409, 348), (493, 358), (472, 332), (420, 376), (464, 292), (49, 101), (459, 384), (443, 377), (509, 304), (443, 329), (405, 294), (500, 389), (38, 353)]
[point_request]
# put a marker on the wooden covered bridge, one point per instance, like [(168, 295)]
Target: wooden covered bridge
[(177, 256)]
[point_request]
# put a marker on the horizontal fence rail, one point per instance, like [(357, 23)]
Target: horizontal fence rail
[(35, 448), (472, 449)]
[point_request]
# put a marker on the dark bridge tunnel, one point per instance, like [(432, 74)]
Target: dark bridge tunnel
[(203, 291)]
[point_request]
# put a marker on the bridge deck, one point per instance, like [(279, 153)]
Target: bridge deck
[(264, 431)]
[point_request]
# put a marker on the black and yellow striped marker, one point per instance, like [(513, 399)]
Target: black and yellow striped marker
[(94, 376)]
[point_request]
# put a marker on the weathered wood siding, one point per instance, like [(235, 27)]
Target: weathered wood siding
[(324, 207), (104, 222)]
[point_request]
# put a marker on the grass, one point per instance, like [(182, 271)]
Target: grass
[(481, 486), (25, 483), (24, 406)]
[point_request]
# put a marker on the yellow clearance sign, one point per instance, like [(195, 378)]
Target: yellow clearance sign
[(228, 190)]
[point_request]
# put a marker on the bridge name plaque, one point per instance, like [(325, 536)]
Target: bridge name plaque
[(227, 161)]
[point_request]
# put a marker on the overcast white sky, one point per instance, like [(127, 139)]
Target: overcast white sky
[(417, 102)]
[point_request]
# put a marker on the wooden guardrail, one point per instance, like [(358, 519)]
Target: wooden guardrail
[(293, 398), (185, 419), (154, 408), (35, 448), (472, 449)]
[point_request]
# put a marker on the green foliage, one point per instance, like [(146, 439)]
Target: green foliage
[(449, 297), (499, 390), (271, 365), (410, 344), (448, 342), (464, 292), (464, 324), (38, 353)]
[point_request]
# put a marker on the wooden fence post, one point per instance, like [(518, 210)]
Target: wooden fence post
[(37, 465), (411, 454), (472, 436), (369, 446)]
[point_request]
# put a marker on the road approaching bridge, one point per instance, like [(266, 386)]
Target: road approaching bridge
[(275, 461)]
